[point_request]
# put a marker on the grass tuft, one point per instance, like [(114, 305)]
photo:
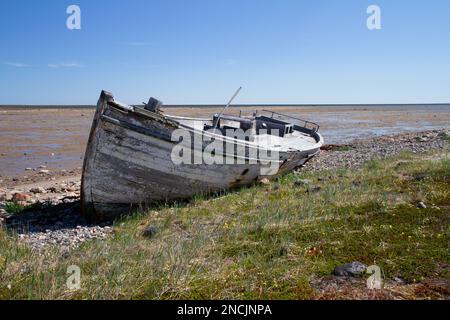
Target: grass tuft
[(14, 208)]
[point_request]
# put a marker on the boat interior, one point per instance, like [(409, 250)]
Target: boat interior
[(263, 126)]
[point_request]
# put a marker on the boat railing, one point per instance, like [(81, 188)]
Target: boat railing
[(314, 127), (187, 118)]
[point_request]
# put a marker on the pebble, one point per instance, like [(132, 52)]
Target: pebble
[(399, 280), (302, 182), (421, 205), (352, 269), (52, 190), (264, 182), (149, 232), (314, 189), (6, 197), (71, 195), (38, 190)]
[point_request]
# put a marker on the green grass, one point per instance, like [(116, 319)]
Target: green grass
[(14, 208), (446, 137), (261, 242)]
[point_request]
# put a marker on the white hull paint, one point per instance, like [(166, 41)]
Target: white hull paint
[(128, 163)]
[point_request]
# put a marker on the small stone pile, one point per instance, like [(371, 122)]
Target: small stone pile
[(59, 225), (52, 216)]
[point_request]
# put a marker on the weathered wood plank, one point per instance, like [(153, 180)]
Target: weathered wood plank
[(128, 162)]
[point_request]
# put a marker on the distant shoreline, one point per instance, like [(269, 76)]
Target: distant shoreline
[(200, 106)]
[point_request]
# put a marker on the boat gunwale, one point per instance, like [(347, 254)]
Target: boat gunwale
[(94, 209), (133, 128), (238, 142)]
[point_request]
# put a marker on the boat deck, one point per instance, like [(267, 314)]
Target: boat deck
[(294, 141)]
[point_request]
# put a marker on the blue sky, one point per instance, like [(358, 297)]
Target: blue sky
[(200, 51)]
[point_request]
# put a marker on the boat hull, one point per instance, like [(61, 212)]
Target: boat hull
[(128, 165)]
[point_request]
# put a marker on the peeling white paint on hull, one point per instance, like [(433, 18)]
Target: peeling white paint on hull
[(128, 163)]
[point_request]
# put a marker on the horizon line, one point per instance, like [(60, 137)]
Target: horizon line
[(246, 105)]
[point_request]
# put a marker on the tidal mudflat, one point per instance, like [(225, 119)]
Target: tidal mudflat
[(33, 140)]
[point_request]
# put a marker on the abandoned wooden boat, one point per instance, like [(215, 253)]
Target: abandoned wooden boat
[(137, 156)]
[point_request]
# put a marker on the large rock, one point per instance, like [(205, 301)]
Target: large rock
[(352, 269)]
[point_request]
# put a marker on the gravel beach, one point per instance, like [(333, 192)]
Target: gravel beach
[(53, 218), (355, 153)]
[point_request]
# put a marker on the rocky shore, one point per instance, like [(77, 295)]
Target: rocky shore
[(354, 154), (50, 211), (51, 199)]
